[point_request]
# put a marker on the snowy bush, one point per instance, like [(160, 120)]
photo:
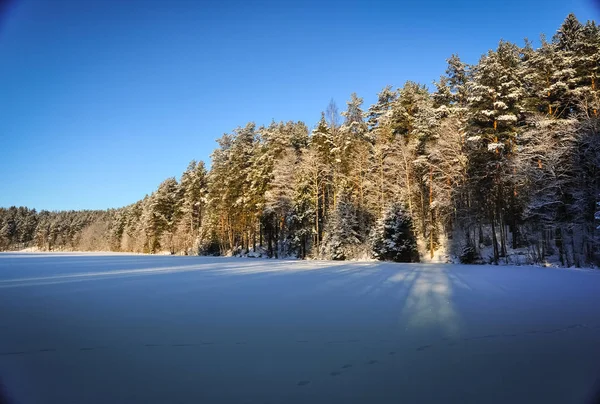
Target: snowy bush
[(392, 238)]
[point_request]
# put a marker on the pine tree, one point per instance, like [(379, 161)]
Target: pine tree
[(162, 215), (452, 89), (495, 97), (567, 41), (406, 108), (342, 238), (194, 190), (587, 62), (379, 175), (322, 141), (279, 202), (495, 104), (221, 194), (392, 238), (542, 79), (274, 164), (354, 152), (312, 178), (380, 112)]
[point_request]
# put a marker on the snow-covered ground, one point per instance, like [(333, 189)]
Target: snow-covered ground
[(81, 328)]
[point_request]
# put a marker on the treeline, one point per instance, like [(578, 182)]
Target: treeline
[(68, 230), (500, 162)]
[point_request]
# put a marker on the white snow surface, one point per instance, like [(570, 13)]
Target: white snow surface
[(84, 328)]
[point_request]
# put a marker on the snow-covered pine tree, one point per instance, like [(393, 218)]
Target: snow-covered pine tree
[(233, 211), (355, 151), (321, 140), (312, 179), (378, 182), (379, 113), (447, 157), (495, 104), (495, 97), (452, 90), (279, 204), (274, 165), (567, 41), (392, 238), (352, 134), (248, 204), (163, 214), (134, 237), (413, 121), (305, 202), (221, 196), (194, 189), (7, 231), (543, 78), (425, 131), (354, 125), (405, 108), (587, 62), (341, 238), (323, 160)]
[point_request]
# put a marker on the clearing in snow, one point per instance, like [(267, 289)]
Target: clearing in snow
[(81, 328)]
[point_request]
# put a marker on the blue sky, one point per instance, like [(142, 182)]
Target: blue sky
[(102, 100)]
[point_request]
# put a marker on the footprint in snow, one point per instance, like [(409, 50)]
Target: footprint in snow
[(13, 353)]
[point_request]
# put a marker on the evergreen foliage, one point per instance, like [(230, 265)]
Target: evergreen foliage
[(392, 238)]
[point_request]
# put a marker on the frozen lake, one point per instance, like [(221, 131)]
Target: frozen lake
[(85, 328)]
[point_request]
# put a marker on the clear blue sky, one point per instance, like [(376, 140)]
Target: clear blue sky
[(102, 100)]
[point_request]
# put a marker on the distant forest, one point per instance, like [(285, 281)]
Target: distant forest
[(501, 163)]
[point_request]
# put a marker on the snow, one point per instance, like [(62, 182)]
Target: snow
[(495, 146), (156, 329), (507, 118)]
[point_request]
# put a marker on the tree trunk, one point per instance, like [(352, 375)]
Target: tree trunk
[(494, 240), (317, 217), (431, 211), (276, 236), (269, 241), (408, 185)]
